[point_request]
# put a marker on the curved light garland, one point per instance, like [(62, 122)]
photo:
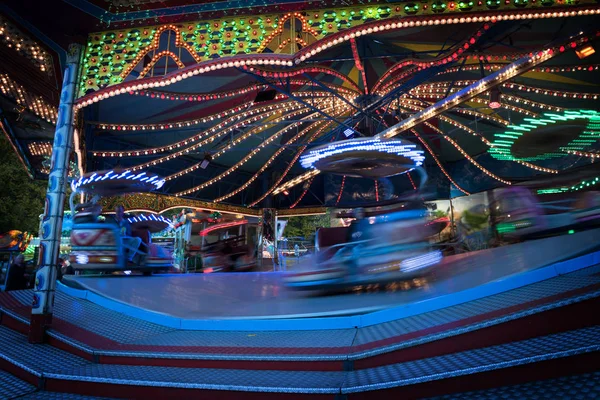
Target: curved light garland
[(181, 124), (313, 49), (300, 178), (504, 141), (202, 143), (451, 122), (467, 156), (420, 64), (197, 97), (437, 161), (290, 165), (397, 147), (239, 163), (243, 137), (299, 199)]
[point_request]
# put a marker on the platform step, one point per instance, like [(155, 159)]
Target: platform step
[(12, 387), (551, 347), (28, 361), (98, 334), (149, 381), (585, 386)]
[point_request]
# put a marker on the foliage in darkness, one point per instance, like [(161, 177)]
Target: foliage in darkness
[(21, 199)]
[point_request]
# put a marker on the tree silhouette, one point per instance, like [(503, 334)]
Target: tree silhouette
[(21, 198)]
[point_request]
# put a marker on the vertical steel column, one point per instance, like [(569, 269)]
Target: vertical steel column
[(45, 277)]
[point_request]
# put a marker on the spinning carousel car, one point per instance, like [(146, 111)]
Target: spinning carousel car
[(107, 245), (227, 255), (382, 244)]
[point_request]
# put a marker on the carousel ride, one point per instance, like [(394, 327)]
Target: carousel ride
[(381, 244), (119, 242), (227, 254)]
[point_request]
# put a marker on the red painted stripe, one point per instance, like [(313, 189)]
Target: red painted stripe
[(102, 343), (134, 392), (226, 364), (18, 372), (59, 344), (568, 318), (491, 379), (12, 323), (475, 319)]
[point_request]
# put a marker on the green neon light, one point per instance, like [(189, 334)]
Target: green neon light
[(503, 142)]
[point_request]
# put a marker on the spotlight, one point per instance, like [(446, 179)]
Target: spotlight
[(286, 192), (206, 161), (585, 52), (348, 132), (494, 98)]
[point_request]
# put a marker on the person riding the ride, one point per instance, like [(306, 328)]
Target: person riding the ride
[(131, 244)]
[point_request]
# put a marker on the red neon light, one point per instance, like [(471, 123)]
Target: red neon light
[(222, 226)]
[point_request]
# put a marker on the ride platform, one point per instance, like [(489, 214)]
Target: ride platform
[(456, 334)]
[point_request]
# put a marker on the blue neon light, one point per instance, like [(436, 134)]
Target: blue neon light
[(96, 177), (395, 146), (150, 217)]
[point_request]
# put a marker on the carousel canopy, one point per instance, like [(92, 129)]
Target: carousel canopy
[(224, 103)]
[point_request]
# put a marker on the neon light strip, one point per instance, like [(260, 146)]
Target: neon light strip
[(398, 147), (226, 225), (112, 175), (150, 217)]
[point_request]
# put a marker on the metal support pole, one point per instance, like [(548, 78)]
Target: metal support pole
[(45, 277)]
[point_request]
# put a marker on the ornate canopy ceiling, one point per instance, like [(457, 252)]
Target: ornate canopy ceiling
[(249, 94)]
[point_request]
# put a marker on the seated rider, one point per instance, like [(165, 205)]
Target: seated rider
[(132, 244)]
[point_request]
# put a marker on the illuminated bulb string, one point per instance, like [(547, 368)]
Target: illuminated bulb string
[(272, 158), (239, 163), (452, 56), (292, 162), (583, 154), (342, 190), (437, 161), (303, 193), (244, 137), (210, 118), (305, 53), (450, 121), (293, 182), (266, 165), (202, 143), (412, 182), (181, 124), (467, 156), (516, 68), (197, 97)]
